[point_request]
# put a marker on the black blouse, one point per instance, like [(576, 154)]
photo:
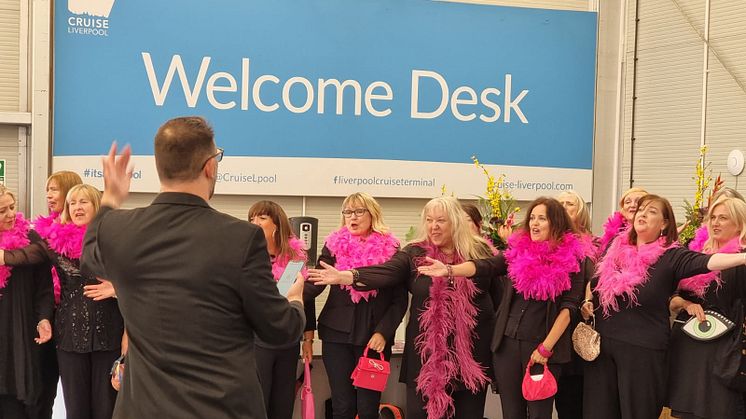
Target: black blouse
[(402, 268), (646, 324), (26, 299), (342, 321), (81, 325)]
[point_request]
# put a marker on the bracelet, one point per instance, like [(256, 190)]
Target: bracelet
[(307, 339), (355, 275), (449, 268), (543, 351)]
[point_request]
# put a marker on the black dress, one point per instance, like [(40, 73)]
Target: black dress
[(694, 391), (26, 299)]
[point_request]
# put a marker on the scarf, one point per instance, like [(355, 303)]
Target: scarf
[(612, 227), (446, 340), (624, 268), (540, 270), (351, 252), (65, 239), (43, 226), (15, 238), (298, 253), (698, 284)]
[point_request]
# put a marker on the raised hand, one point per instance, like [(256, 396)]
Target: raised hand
[(117, 176)]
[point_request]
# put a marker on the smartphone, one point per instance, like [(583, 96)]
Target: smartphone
[(289, 276)]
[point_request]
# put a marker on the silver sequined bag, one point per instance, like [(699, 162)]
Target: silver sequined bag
[(586, 340)]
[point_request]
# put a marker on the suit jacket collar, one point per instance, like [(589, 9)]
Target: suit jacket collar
[(180, 198)]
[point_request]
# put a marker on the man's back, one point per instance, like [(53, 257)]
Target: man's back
[(194, 285)]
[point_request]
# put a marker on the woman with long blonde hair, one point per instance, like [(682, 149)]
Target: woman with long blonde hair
[(447, 358)]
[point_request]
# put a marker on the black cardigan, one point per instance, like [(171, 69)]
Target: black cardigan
[(570, 299)]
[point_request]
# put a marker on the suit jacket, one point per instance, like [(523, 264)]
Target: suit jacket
[(194, 286)]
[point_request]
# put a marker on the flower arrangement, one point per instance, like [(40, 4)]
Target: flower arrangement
[(498, 206), (695, 211)]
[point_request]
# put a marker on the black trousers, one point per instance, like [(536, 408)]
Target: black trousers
[(276, 369), (12, 408), (468, 405), (86, 383), (625, 382), (50, 375), (569, 398), (510, 362), (340, 360)]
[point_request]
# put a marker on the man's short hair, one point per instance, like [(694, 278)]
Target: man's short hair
[(182, 145)]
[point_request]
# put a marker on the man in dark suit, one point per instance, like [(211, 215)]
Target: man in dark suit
[(194, 286)]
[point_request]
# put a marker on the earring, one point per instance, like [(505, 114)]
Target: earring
[(662, 232)]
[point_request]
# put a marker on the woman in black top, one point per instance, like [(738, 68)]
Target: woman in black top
[(694, 389), (446, 351), (547, 266), (635, 279), (88, 332), (276, 364), (353, 319), (26, 308)]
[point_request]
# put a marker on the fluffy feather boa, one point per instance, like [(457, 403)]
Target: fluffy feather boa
[(65, 239), (624, 268), (540, 270), (43, 226), (698, 284), (15, 238), (355, 251), (299, 253), (446, 341), (612, 228)]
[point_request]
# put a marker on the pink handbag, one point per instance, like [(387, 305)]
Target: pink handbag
[(307, 407), (538, 387), (371, 373)]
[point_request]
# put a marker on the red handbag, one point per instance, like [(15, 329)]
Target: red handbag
[(307, 407), (371, 373), (540, 386)]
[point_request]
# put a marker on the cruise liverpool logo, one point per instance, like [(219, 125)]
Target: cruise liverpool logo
[(89, 17)]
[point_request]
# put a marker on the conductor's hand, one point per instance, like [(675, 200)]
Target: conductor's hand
[(295, 293), (117, 176)]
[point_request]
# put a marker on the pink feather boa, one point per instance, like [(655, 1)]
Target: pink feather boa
[(65, 239), (356, 251), (15, 238), (540, 270), (449, 313), (43, 226), (299, 253), (612, 228), (624, 268), (698, 284)]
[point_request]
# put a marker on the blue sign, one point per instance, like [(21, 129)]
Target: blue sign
[(409, 80)]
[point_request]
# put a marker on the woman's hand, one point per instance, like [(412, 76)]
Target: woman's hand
[(377, 342), (44, 329), (537, 358), (101, 291), (695, 310), (306, 347), (329, 276), (586, 309), (435, 268)]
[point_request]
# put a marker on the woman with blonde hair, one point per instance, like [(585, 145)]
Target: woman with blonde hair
[(577, 210), (276, 365), (26, 312), (88, 332), (622, 219), (353, 319), (447, 358), (695, 391)]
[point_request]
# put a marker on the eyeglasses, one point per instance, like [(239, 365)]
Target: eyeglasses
[(218, 157), (358, 212)]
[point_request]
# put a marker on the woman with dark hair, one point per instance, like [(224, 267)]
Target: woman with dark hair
[(89, 332), (353, 319), (634, 281), (446, 357), (694, 389), (26, 308), (276, 365), (546, 266)]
